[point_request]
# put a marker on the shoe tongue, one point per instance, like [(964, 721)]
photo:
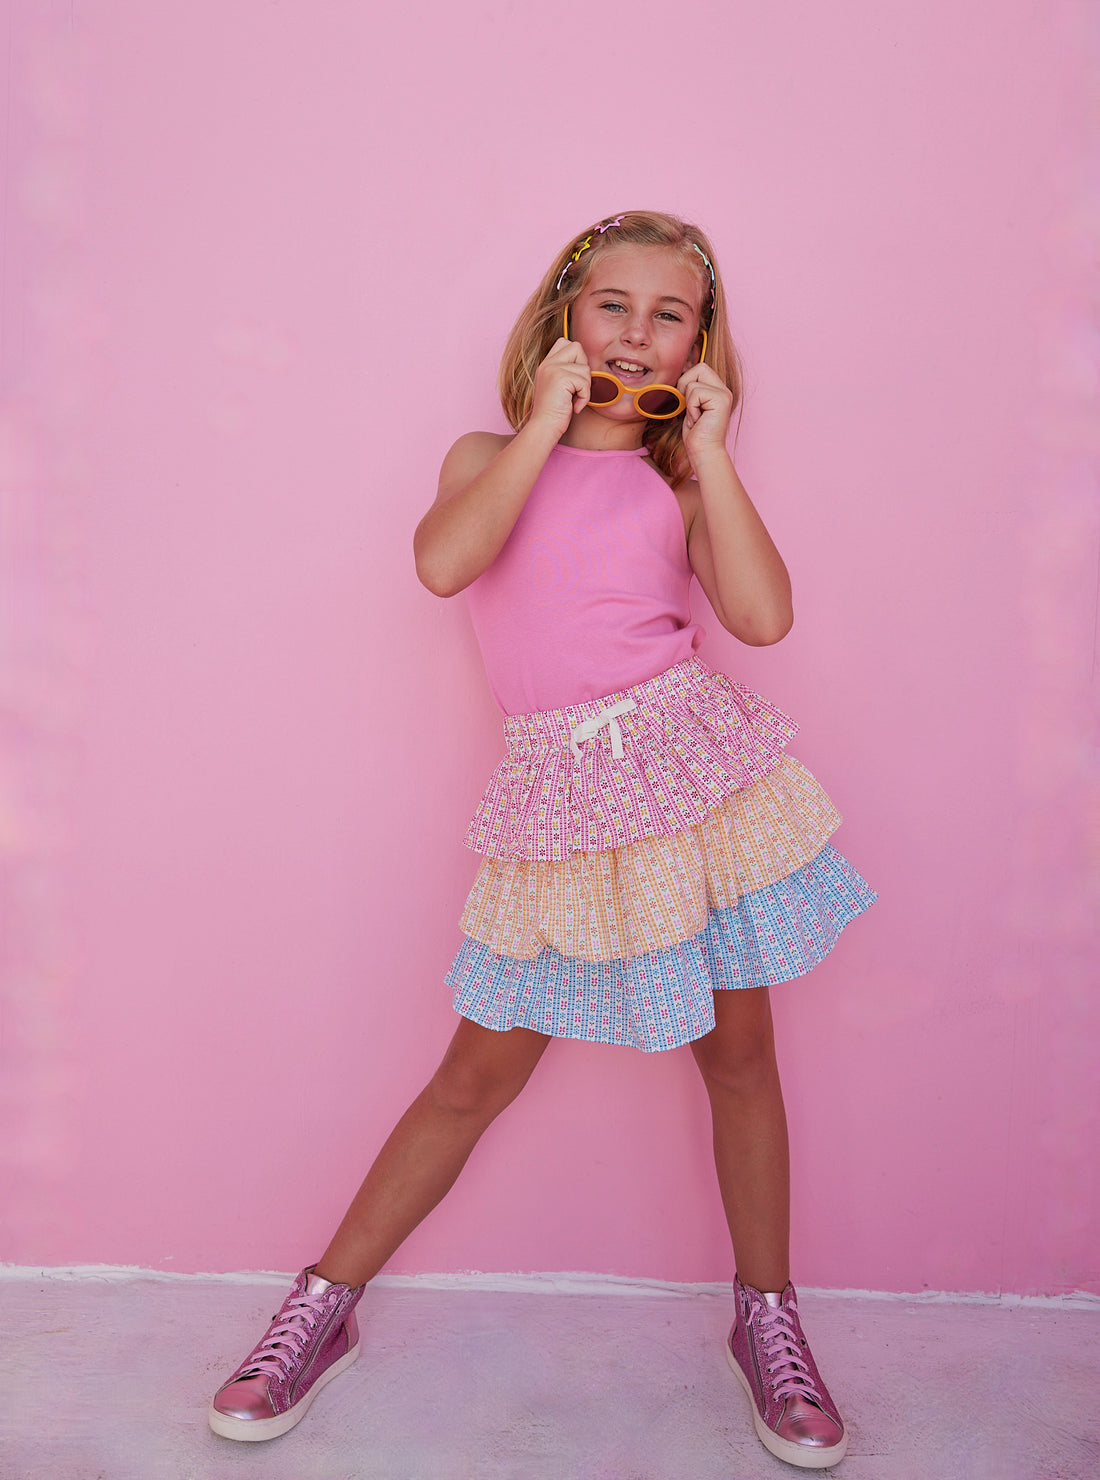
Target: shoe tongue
[(315, 1285), (774, 1298)]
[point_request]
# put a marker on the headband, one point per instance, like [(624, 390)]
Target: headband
[(584, 246), (713, 285), (586, 242)]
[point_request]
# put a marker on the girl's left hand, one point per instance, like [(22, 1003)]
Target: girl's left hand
[(708, 411)]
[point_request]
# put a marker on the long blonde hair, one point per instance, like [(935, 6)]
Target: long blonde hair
[(540, 322)]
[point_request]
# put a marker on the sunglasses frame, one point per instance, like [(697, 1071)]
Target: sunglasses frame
[(641, 390)]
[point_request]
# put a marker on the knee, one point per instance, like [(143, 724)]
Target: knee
[(464, 1090), (740, 1064)]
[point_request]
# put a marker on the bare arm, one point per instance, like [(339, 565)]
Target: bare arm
[(485, 479), (483, 485), (729, 548), (733, 555)]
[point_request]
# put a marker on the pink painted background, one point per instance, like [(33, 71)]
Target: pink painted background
[(258, 264)]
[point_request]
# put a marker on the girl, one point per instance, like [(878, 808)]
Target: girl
[(653, 860)]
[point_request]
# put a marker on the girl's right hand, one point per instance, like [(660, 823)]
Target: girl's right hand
[(562, 385)]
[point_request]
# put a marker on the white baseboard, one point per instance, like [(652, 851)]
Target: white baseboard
[(564, 1283)]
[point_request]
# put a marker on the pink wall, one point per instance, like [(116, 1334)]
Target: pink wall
[(259, 263)]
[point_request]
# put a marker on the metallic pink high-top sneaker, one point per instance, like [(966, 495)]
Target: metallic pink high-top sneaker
[(793, 1413), (311, 1339)]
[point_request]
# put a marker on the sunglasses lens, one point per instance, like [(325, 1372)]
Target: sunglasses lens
[(658, 402), (603, 390)]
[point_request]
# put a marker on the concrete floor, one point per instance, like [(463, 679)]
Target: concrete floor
[(108, 1379)]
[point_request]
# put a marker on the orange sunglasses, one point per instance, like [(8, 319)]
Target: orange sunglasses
[(657, 402)]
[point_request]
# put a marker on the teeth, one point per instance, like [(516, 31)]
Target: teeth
[(628, 365)]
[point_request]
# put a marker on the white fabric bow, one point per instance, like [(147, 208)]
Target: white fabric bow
[(588, 729)]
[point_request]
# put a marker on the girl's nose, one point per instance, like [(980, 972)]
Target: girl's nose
[(636, 332)]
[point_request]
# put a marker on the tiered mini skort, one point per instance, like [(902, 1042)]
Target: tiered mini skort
[(640, 852)]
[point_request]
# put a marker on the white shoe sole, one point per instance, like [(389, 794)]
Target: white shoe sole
[(252, 1430), (794, 1454)]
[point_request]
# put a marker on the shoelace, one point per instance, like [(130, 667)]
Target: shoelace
[(787, 1373), (286, 1337)]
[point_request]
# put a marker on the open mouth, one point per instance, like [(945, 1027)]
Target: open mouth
[(630, 372)]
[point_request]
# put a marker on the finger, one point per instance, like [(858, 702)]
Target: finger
[(561, 373), (704, 372), (698, 375), (697, 403), (565, 347), (708, 398), (576, 386)]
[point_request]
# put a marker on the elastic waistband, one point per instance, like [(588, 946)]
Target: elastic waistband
[(646, 761), (553, 727)]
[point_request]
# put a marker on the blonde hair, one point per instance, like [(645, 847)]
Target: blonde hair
[(540, 322)]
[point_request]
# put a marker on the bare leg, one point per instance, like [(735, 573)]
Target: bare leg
[(737, 1062), (482, 1072)]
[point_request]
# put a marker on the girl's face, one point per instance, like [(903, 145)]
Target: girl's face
[(637, 317)]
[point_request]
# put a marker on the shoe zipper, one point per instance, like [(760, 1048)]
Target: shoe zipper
[(316, 1341)]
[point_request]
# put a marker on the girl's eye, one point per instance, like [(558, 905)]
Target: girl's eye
[(666, 315)]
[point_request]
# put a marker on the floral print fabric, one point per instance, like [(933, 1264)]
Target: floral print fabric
[(628, 877)]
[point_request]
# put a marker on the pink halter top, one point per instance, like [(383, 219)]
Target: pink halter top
[(590, 593)]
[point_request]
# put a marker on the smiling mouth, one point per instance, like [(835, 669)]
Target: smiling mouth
[(629, 368)]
